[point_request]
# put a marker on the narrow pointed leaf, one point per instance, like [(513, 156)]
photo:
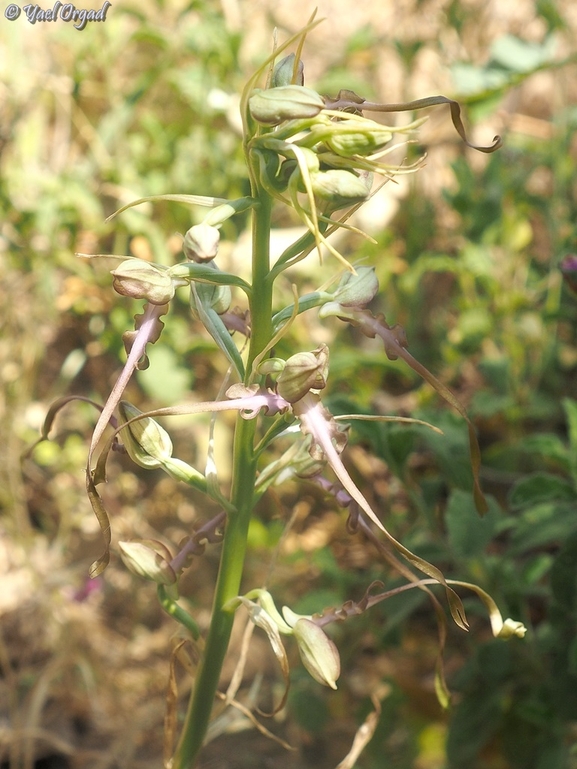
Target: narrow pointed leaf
[(221, 335), (190, 200), (205, 273)]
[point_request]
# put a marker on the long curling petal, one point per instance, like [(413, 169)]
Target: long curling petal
[(310, 412)]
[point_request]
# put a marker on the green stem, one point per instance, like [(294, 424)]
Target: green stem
[(242, 498), (261, 304)]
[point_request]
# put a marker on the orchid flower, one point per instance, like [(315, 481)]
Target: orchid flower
[(317, 155)]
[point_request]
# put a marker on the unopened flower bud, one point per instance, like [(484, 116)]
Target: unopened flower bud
[(147, 443), (284, 71), (271, 366), (357, 290), (200, 243), (512, 628), (148, 559), (340, 188), (318, 653), (361, 137), (143, 280), (303, 372), (289, 102)]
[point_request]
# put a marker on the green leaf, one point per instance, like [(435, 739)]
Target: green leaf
[(547, 445), (570, 408), (538, 488), (468, 533), (573, 657), (475, 720), (189, 200), (398, 607), (520, 56), (308, 709), (470, 79), (543, 525), (497, 371), (451, 450), (219, 332), (396, 445), (488, 404), (564, 576), (206, 273), (166, 380)]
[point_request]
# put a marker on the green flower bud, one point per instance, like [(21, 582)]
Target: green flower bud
[(289, 102), (318, 653), (303, 372), (284, 71), (200, 243), (340, 188), (357, 137), (219, 298), (271, 366), (148, 559), (147, 443), (143, 280), (357, 290)]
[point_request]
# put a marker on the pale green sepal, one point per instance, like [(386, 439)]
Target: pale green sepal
[(144, 560), (286, 73), (303, 372), (143, 280), (146, 442), (318, 653), (289, 102), (357, 290)]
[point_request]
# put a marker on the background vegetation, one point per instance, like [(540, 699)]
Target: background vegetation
[(468, 255)]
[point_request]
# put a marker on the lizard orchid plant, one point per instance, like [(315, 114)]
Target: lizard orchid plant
[(318, 156)]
